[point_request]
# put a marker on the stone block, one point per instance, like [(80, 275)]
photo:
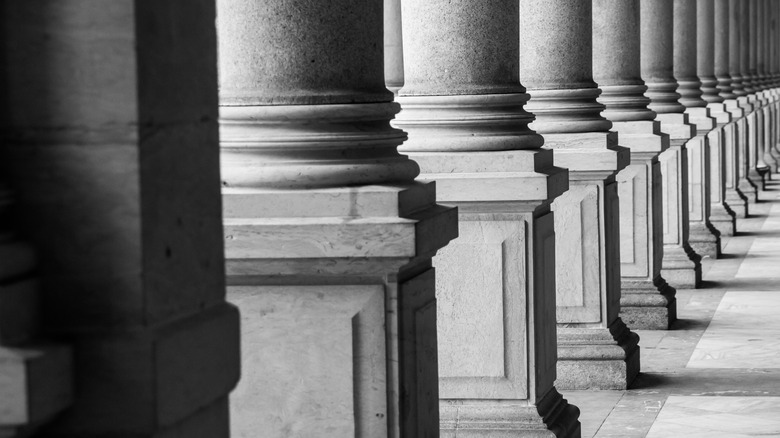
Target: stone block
[(36, 383)]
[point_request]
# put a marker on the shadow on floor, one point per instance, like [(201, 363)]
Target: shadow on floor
[(739, 284), (650, 381), (689, 324)]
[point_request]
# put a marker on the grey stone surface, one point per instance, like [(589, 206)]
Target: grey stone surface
[(322, 36), (456, 48), (300, 109), (616, 63)]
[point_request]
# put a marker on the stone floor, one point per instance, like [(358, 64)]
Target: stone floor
[(716, 373)]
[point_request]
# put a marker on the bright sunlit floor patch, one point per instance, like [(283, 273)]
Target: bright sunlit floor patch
[(717, 417)]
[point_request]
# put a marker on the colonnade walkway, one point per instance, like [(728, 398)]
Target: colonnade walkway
[(716, 373)]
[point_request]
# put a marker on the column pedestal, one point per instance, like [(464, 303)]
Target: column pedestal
[(488, 383), (722, 217), (703, 238), (595, 348), (681, 264), (751, 181), (647, 301), (737, 200), (337, 295)]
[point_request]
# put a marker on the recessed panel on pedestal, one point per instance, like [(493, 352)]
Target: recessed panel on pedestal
[(578, 255), (634, 232), (314, 362), (481, 301)]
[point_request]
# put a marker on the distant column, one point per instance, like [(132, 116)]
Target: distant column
[(703, 237), (749, 177), (710, 69), (681, 265), (647, 301), (595, 348)]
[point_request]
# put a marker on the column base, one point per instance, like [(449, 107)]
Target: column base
[(704, 239), (648, 304), (723, 218), (738, 202), (681, 266), (552, 417), (748, 188), (597, 358)]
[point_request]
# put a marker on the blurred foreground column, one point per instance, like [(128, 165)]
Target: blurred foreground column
[(328, 237), (115, 167)]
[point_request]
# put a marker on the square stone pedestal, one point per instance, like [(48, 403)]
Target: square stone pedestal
[(681, 265), (646, 301), (337, 296), (587, 255), (496, 295)]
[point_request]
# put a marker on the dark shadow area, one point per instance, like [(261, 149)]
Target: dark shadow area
[(709, 284), (758, 233), (752, 284), (729, 256), (690, 324), (649, 381)]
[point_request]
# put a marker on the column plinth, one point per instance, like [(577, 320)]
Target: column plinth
[(681, 265), (328, 238), (463, 107)]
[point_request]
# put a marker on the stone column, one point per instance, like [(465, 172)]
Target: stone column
[(769, 154), (739, 108), (328, 237), (721, 217), (749, 177), (703, 237), (757, 148), (36, 374), (114, 163), (393, 42), (462, 104), (647, 301), (681, 265), (595, 348)]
